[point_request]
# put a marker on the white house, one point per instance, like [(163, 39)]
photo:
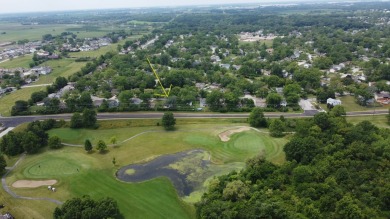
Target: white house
[(333, 102)]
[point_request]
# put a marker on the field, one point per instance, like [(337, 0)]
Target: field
[(79, 173), (16, 31), (23, 61), (7, 101)]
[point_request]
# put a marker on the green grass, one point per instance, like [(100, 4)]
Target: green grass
[(96, 178), (350, 105), (16, 31), (156, 198), (61, 67), (23, 61), (7, 101), (378, 120)]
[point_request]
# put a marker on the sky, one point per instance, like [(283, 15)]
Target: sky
[(11, 6)]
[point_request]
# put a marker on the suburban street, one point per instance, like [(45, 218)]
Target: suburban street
[(17, 120)]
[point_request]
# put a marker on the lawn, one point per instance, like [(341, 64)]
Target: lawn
[(350, 105), (7, 101), (378, 120), (79, 173), (23, 61), (61, 67)]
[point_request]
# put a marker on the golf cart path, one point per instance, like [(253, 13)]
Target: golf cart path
[(10, 192)]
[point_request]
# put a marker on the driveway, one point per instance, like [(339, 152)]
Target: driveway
[(306, 105)]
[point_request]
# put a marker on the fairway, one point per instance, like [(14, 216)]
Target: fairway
[(79, 173)]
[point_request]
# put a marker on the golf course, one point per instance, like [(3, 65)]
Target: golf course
[(197, 150)]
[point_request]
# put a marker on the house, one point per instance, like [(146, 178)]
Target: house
[(215, 58), (283, 103), (226, 66), (382, 97), (41, 70), (136, 101), (202, 102), (97, 101), (333, 102)]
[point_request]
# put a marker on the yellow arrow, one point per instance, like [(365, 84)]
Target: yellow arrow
[(158, 79)]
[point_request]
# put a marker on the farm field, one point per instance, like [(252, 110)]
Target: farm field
[(17, 31), (80, 173)]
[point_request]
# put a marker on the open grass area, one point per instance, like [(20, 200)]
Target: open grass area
[(7, 101), (17, 31), (61, 67), (22, 61), (350, 105), (378, 120), (80, 173)]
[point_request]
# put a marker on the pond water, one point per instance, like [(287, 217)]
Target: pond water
[(187, 170)]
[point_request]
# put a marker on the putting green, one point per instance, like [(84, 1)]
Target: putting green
[(51, 168)]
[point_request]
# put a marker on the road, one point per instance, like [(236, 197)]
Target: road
[(17, 120)]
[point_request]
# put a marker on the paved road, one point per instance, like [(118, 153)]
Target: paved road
[(17, 120), (9, 191)]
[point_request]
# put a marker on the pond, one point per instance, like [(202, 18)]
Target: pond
[(187, 170)]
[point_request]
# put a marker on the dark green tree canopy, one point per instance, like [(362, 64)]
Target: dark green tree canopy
[(85, 207), (257, 119), (168, 121)]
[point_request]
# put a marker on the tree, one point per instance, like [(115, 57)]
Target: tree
[(113, 140), (38, 96), (215, 100), (89, 118), (101, 146), (88, 145), (85, 207), (388, 117), (31, 143), (338, 111), (257, 119), (19, 107), (168, 121), (276, 128), (54, 142), (113, 161), (3, 164), (76, 121), (273, 100)]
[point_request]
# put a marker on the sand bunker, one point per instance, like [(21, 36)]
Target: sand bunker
[(225, 136), (33, 183)]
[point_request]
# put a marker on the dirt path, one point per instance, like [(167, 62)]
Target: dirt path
[(11, 193)]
